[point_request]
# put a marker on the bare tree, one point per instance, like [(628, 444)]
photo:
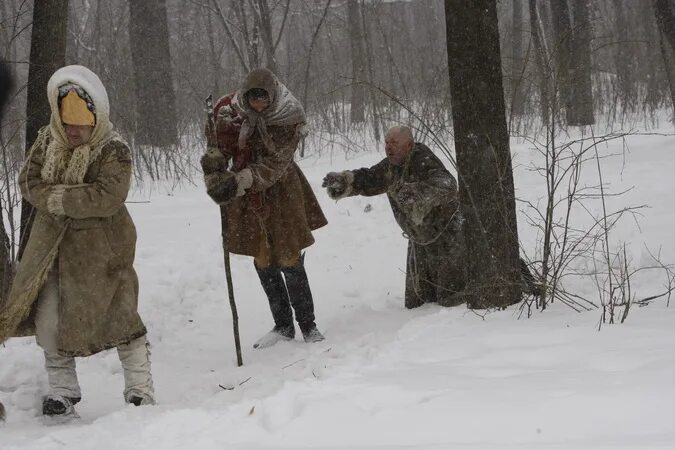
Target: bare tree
[(47, 54), (664, 11), (580, 106), (562, 49), (6, 87), (261, 11), (484, 168), (625, 66), (249, 32), (156, 123), (309, 62), (367, 47), (665, 17), (517, 66), (542, 61), (358, 93)]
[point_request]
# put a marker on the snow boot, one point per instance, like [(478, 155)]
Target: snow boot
[(135, 359), (312, 336), (140, 400), (59, 406), (300, 296), (278, 334)]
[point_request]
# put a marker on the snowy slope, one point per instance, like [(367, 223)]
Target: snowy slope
[(386, 377)]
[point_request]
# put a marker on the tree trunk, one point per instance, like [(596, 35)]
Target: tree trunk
[(358, 91), (214, 56), (541, 58), (250, 38), (544, 14), (517, 100), (665, 18), (263, 15), (308, 65), (6, 87), (669, 66), (156, 123), (486, 192), (47, 54), (625, 57), (562, 50), (580, 107), (367, 46)]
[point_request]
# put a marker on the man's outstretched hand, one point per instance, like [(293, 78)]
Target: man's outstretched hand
[(338, 184)]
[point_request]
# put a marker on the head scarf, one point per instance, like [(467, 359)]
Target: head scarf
[(65, 164), (284, 109)]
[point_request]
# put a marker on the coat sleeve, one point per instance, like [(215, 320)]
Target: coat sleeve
[(106, 195), (371, 181), (270, 168), (32, 187)]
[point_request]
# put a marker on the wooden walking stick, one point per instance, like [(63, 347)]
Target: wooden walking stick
[(224, 231)]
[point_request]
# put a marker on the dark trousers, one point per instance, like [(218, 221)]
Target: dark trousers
[(291, 289)]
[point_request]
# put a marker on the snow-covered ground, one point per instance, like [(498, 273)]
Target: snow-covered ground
[(386, 377)]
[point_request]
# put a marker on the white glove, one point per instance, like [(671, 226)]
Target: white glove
[(244, 181)]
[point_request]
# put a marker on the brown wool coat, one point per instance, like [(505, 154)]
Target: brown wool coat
[(277, 214), (285, 212), (97, 282)]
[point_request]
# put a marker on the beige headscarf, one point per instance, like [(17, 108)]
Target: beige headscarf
[(284, 108), (64, 164)]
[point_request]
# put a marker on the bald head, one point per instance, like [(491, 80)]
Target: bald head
[(404, 133), (398, 143)]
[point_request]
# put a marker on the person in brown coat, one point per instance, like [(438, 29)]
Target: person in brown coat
[(423, 197), (75, 287), (269, 206)]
